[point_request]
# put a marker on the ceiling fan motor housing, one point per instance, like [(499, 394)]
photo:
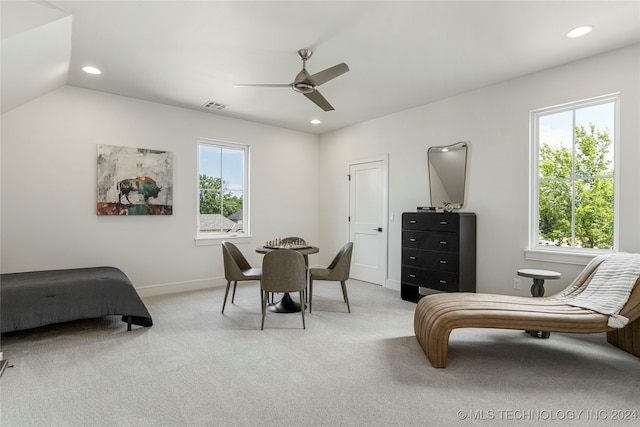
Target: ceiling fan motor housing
[(302, 83)]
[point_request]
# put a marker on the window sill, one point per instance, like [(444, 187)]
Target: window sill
[(212, 240), (561, 256)]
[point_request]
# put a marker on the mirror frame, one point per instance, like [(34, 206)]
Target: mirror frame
[(453, 147)]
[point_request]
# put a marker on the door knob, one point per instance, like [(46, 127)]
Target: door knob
[(378, 229)]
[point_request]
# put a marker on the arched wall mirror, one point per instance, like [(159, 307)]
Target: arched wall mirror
[(447, 174)]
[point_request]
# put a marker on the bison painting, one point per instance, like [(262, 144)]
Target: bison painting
[(142, 184)]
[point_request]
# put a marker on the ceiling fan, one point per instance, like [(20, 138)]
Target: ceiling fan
[(306, 84)]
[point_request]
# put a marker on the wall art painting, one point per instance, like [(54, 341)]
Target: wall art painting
[(134, 181)]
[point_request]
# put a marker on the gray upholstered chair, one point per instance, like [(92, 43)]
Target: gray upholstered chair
[(236, 268), (337, 271), (283, 270)]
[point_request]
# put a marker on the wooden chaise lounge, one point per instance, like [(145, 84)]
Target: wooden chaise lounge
[(437, 315)]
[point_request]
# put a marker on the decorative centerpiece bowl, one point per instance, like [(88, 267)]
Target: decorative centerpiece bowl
[(287, 243)]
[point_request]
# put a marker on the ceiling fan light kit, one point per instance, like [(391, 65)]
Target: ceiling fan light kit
[(303, 87), (306, 84)]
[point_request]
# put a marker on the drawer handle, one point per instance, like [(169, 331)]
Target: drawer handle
[(444, 222), (412, 258), (413, 221), (412, 239), (443, 281), (443, 261), (413, 276), (442, 242)]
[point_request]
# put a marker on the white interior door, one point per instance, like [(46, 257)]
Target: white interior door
[(367, 220)]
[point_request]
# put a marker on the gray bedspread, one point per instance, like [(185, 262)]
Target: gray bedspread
[(38, 298)]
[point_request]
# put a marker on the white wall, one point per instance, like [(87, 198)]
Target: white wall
[(48, 176), (49, 216), (495, 122)]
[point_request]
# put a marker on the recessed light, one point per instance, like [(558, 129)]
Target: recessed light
[(580, 31), (91, 70), (315, 122)]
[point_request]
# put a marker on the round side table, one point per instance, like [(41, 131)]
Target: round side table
[(538, 276), (537, 289)]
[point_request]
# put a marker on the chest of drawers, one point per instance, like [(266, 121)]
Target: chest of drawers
[(438, 252)]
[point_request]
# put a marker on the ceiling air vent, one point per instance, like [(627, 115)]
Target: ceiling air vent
[(212, 105)]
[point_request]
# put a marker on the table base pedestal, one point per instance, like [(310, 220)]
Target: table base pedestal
[(285, 305), (539, 334)]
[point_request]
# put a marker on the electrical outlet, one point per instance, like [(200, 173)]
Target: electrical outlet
[(516, 283)]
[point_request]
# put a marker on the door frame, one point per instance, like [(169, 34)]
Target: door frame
[(384, 158)]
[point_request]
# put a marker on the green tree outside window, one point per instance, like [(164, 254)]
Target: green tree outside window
[(576, 191), (216, 198)]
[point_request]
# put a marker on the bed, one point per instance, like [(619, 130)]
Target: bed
[(38, 298)]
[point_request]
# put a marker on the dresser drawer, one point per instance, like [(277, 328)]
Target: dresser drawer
[(431, 221), (434, 241), (433, 279), (445, 261)]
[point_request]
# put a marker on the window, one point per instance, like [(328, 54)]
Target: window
[(222, 189), (574, 176)]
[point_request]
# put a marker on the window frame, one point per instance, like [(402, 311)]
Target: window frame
[(568, 255), (212, 238)]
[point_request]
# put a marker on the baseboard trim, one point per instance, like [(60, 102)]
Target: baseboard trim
[(393, 284), (173, 288), (193, 285)]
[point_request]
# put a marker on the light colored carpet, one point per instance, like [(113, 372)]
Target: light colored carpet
[(197, 367)]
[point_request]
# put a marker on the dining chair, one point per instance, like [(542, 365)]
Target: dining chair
[(283, 270), (337, 271), (236, 267)]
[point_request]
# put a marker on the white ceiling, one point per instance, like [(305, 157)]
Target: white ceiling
[(400, 54)]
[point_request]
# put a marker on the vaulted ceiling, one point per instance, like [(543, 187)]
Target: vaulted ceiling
[(400, 54)]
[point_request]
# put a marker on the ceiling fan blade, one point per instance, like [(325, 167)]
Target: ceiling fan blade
[(261, 85), (328, 74), (319, 100)]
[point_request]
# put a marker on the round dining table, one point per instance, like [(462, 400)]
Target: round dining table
[(287, 304)]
